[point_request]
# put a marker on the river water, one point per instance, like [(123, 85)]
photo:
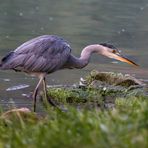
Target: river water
[(81, 22)]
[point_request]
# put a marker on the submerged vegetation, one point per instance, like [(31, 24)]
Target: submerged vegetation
[(98, 115)]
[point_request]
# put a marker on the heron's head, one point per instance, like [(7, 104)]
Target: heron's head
[(113, 52)]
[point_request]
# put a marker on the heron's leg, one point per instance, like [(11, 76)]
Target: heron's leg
[(35, 93), (47, 99)]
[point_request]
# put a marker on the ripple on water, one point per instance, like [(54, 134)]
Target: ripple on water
[(6, 80), (22, 86)]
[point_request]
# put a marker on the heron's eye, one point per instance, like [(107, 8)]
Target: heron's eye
[(114, 51)]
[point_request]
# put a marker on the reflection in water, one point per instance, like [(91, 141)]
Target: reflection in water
[(122, 23)]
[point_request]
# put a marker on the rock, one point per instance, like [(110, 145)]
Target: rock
[(111, 78)]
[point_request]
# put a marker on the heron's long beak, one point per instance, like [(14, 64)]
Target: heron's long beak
[(123, 59)]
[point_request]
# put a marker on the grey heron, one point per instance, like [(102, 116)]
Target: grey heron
[(48, 53)]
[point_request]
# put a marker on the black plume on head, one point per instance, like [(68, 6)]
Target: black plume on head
[(108, 45)]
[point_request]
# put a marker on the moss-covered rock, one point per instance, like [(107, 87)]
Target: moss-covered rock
[(111, 78), (98, 89)]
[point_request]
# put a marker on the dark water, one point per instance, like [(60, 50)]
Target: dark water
[(81, 22)]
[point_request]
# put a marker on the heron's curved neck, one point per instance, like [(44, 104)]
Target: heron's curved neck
[(88, 51), (85, 56)]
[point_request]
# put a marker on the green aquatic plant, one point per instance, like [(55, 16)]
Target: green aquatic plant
[(126, 125)]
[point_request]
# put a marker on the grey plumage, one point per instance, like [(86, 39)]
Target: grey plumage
[(42, 54)]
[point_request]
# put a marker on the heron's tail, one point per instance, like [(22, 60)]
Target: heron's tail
[(4, 60), (0, 64)]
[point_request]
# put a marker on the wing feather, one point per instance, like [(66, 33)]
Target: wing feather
[(46, 53)]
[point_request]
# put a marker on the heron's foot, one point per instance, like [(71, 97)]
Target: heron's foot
[(51, 101), (62, 108)]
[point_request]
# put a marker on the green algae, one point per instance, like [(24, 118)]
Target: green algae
[(98, 89)]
